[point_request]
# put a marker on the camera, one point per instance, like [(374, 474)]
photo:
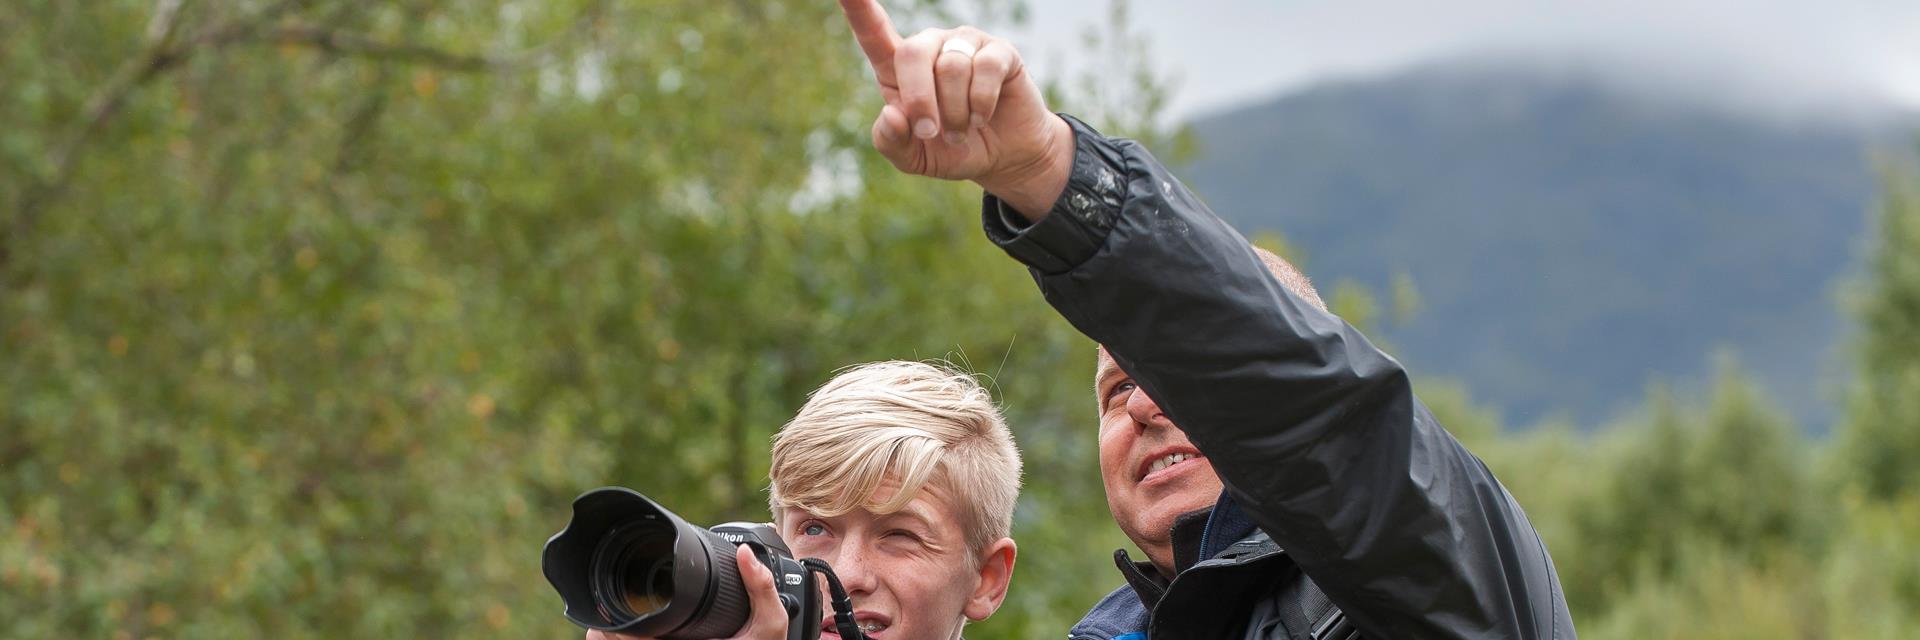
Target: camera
[(626, 564)]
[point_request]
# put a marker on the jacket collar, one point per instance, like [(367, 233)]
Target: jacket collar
[(1196, 536), (1226, 524)]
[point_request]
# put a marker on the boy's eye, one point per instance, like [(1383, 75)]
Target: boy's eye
[(813, 529)]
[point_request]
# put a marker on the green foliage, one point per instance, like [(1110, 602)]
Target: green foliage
[(1706, 521), (1881, 438), (1355, 303), (1123, 92), (1715, 593), (331, 314), (1870, 585), (1473, 424), (315, 315), (1724, 479)]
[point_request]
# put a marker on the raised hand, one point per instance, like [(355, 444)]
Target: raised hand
[(960, 106)]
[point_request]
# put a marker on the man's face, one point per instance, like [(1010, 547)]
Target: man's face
[(1152, 473), (909, 573)]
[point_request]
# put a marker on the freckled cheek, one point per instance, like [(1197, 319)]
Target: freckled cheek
[(803, 547), (928, 590)]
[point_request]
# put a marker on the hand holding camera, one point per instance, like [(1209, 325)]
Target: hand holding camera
[(629, 568)]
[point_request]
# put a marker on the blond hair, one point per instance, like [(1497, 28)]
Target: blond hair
[(912, 421)]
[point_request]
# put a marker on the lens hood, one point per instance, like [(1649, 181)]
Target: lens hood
[(614, 529)]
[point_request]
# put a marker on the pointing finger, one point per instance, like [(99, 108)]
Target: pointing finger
[(875, 32)]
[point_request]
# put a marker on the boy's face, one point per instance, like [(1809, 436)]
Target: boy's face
[(909, 573)]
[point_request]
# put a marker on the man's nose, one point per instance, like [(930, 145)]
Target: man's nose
[(1145, 411)]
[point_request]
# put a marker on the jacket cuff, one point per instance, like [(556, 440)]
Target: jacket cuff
[(1077, 225)]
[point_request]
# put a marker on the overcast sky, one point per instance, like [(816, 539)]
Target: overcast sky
[(1224, 52)]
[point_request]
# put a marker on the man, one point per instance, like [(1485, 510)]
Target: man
[(1346, 509), (903, 476)]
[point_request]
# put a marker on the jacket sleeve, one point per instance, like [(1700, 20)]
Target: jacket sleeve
[(1314, 431)]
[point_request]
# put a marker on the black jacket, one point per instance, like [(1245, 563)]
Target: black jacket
[(1315, 433)]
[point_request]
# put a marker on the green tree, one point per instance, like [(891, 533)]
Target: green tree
[(1880, 439), (1870, 581), (1725, 479), (315, 315)]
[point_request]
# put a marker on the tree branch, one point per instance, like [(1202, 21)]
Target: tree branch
[(161, 53), (352, 44)]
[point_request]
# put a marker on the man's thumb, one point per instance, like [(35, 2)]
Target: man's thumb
[(892, 139)]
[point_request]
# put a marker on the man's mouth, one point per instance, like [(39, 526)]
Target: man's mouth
[(1165, 460)]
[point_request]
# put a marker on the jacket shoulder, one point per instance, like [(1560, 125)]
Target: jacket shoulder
[(1119, 616)]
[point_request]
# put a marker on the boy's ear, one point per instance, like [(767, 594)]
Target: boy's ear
[(996, 573)]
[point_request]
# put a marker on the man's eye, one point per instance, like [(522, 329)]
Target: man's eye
[(1119, 389), (813, 529)]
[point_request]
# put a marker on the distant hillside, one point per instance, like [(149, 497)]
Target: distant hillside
[(1570, 239)]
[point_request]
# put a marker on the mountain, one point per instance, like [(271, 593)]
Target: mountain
[(1572, 238)]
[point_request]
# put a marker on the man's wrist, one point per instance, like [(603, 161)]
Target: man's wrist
[(1031, 189)]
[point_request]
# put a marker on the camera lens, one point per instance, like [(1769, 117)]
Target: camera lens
[(627, 564), (633, 570), (657, 590)]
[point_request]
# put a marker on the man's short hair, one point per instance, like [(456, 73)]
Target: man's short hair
[(913, 421), (1289, 277)]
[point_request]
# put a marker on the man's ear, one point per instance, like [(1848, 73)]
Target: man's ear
[(996, 572)]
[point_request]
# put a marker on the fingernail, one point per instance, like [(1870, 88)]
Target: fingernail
[(926, 129), (887, 132), (955, 137), (978, 121)]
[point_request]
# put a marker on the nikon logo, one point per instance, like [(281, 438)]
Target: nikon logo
[(735, 538)]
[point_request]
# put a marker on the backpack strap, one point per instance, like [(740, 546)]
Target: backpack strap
[(1329, 622)]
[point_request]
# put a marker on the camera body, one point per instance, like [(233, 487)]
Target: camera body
[(626, 564), (796, 586)]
